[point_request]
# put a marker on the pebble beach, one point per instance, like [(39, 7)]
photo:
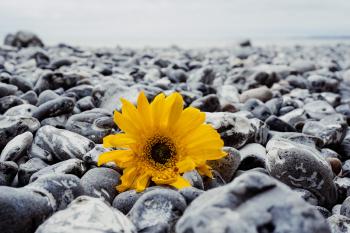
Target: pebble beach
[(282, 111)]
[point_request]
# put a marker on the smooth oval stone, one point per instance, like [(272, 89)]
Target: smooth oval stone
[(213, 182), (62, 144), (8, 171), (277, 124), (17, 147), (45, 96), (7, 89), (301, 166), (81, 90), (234, 130), (318, 109), (21, 110), (36, 152), (31, 97), (253, 202), (55, 80), (208, 103), (60, 189), (8, 102), (70, 166), (24, 209), (22, 84), (194, 178), (27, 169), (257, 108), (227, 165), (89, 124), (157, 207), (190, 193), (125, 201), (262, 93), (331, 129), (11, 126), (101, 183), (55, 107), (252, 155), (339, 223), (87, 215)]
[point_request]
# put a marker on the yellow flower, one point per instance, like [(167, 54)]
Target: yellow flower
[(161, 141)]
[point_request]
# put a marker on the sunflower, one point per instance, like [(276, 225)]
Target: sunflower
[(160, 141)]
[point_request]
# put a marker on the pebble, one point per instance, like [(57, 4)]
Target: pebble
[(93, 124), (228, 165), (8, 171), (70, 166), (87, 215), (24, 209), (301, 166), (17, 147), (101, 183), (11, 126), (262, 93), (252, 155), (55, 107), (157, 207), (27, 169), (268, 206), (62, 144)]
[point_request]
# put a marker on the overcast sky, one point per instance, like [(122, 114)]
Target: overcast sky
[(111, 22)]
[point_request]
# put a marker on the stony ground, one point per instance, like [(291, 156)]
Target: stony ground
[(282, 112)]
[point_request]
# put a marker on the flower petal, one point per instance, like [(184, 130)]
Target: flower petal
[(130, 112), (190, 119), (125, 124), (173, 109), (180, 183), (142, 182), (157, 109), (117, 156), (118, 140), (144, 109), (205, 169), (186, 165), (127, 179)]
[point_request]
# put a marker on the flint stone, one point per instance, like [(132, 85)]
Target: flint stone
[(301, 166), (24, 209), (27, 169), (71, 166), (101, 183), (269, 206), (8, 171), (227, 165), (157, 207), (87, 215), (55, 107), (17, 147), (339, 223), (63, 144), (21, 110), (234, 130), (7, 89), (331, 129), (11, 126), (93, 124)]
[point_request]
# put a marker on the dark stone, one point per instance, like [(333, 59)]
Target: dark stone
[(23, 39), (101, 183), (71, 166), (157, 207), (269, 206), (55, 107)]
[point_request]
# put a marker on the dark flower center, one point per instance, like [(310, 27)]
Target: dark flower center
[(160, 150), (160, 153)]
